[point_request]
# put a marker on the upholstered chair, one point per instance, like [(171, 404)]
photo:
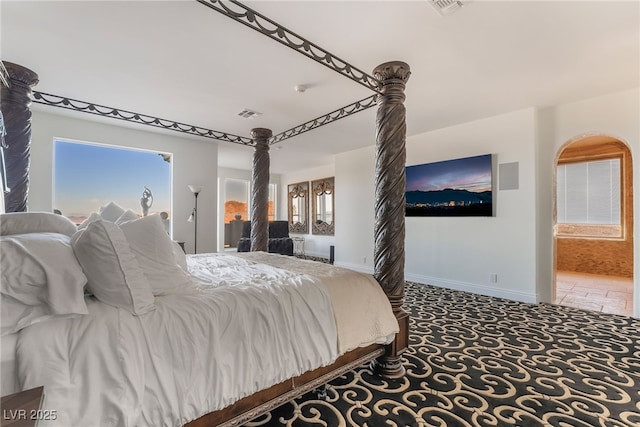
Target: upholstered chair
[(279, 240)]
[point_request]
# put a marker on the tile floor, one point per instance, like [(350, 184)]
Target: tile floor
[(608, 294)]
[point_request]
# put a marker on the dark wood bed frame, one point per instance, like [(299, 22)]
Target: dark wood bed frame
[(391, 78)]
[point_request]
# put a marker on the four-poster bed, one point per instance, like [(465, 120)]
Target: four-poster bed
[(388, 81)]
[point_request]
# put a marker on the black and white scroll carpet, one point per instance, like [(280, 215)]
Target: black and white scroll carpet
[(482, 361)]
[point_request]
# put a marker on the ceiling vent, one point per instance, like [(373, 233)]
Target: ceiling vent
[(249, 114), (447, 7)]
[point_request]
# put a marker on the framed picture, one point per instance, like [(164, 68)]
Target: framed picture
[(323, 206), (460, 187), (298, 207)]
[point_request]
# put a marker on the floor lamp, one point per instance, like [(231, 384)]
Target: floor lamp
[(194, 216)]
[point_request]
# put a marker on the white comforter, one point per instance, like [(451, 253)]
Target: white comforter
[(243, 327)]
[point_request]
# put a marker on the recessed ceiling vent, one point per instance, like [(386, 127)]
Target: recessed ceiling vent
[(249, 114), (446, 7)]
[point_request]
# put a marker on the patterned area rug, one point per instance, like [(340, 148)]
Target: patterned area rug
[(482, 361)]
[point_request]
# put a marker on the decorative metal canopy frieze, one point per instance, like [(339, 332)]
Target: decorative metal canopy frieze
[(252, 19), (246, 16), (128, 116), (350, 109)]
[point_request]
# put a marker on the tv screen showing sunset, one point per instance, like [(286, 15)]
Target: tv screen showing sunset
[(460, 187)]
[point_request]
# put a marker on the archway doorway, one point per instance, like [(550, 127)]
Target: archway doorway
[(594, 225)]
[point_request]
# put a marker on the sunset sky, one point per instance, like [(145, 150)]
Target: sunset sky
[(88, 176), (471, 174)]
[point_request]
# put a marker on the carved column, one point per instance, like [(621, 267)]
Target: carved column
[(260, 193), (16, 102), (390, 178)]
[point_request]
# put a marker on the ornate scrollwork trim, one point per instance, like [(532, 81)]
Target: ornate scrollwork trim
[(323, 228), (115, 113), (252, 19), (298, 191), (392, 70), (338, 114), (298, 227)]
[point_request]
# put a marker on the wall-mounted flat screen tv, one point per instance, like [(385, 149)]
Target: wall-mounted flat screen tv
[(459, 187)]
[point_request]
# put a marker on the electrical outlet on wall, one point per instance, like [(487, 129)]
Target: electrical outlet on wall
[(493, 278), (364, 259)]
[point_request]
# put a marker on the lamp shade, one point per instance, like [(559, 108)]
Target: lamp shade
[(195, 189)]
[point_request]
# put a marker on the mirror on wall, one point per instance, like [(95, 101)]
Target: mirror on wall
[(322, 193), (298, 212)]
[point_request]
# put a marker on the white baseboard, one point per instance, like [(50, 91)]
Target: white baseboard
[(452, 284), (356, 267), (473, 288)]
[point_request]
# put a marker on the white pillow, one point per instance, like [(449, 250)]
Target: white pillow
[(179, 255), (40, 280), (111, 211), (113, 273), (154, 250), (128, 215), (93, 216), (35, 222)]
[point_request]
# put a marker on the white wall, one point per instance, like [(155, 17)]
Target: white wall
[(355, 195), (616, 115), (194, 162), (314, 245), (463, 253), (458, 253)]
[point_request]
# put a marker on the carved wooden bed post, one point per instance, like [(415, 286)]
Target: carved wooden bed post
[(16, 100), (390, 178), (260, 191)]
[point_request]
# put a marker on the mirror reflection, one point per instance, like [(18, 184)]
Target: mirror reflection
[(298, 199), (323, 206)]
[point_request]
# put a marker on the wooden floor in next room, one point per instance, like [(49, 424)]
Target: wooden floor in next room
[(607, 294)]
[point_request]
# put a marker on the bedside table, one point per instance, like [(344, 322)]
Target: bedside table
[(22, 409)]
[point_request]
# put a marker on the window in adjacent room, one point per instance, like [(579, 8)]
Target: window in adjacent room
[(88, 176), (272, 202), (589, 195), (237, 208)]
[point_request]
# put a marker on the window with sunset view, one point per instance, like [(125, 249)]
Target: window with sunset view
[(88, 176)]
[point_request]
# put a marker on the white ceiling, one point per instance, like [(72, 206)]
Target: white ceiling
[(179, 60)]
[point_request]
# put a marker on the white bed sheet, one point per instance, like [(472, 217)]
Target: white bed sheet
[(8, 366), (363, 311), (270, 324), (91, 367), (197, 352)]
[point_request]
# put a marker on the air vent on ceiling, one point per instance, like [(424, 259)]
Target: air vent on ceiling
[(249, 114), (446, 7)]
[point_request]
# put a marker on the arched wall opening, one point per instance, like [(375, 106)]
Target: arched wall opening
[(593, 225)]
